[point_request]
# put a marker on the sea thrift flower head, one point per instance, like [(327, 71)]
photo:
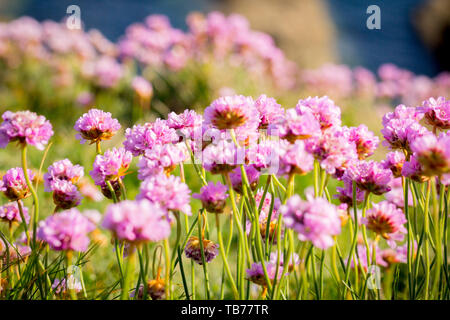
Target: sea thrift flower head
[(399, 133), (362, 254), (402, 112), (397, 255), (66, 230), (193, 251), (386, 220), (185, 123), (89, 190), (333, 149), (25, 127), (256, 273), (62, 170), (345, 194), (168, 191), (394, 161), (370, 176), (323, 109), (437, 112), (143, 137), (162, 159), (14, 185), (157, 289), (413, 169), (397, 194), (366, 142), (269, 111), (294, 159), (231, 112), (264, 156), (222, 157), (293, 262), (137, 221), (433, 153), (65, 194), (96, 125), (314, 220), (294, 126), (9, 212), (142, 87), (252, 176), (111, 166), (213, 197)]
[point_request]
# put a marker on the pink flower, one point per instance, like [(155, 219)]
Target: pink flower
[(25, 127), (65, 194), (62, 170), (269, 111), (370, 176), (236, 178), (14, 185), (96, 125), (161, 158), (394, 161), (66, 230), (193, 250), (167, 191), (294, 126), (142, 87), (264, 156), (366, 142), (256, 273), (437, 112), (386, 220), (231, 112), (185, 123), (137, 221), (433, 153), (222, 156), (110, 166), (323, 109), (294, 159), (314, 220), (10, 212), (213, 197), (345, 194), (413, 169)]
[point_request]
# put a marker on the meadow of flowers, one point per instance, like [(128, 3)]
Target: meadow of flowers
[(172, 182)]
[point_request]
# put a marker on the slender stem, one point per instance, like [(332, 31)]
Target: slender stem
[(426, 239), (204, 263), (129, 270), (33, 192)]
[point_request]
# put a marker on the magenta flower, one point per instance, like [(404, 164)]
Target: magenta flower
[(323, 109), (264, 156), (314, 220), (9, 212), (394, 161), (345, 194), (161, 159), (231, 112), (437, 112), (366, 142), (433, 153), (413, 169), (294, 261), (110, 166), (294, 159), (402, 112), (185, 123), (213, 197), (386, 220), (14, 185), (256, 273), (400, 133), (96, 125), (137, 221), (333, 149), (370, 176), (59, 287), (193, 250), (269, 111), (296, 126), (66, 230), (222, 156), (397, 194), (143, 137), (25, 127), (62, 170), (236, 178), (167, 191), (362, 254), (65, 194)]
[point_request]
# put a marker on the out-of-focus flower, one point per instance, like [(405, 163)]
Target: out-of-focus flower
[(65, 194), (433, 153), (142, 87), (256, 273), (167, 191), (66, 230), (236, 178), (437, 112), (96, 125), (9, 212), (314, 220), (345, 194), (366, 142), (413, 169), (397, 194), (323, 109), (60, 287), (294, 159), (25, 127), (293, 262), (213, 197), (137, 221), (193, 251), (14, 185)]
